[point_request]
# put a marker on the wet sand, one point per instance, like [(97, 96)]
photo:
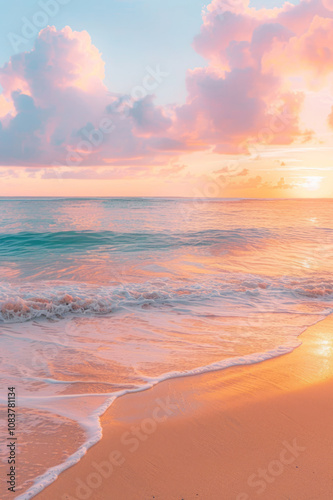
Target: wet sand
[(255, 432)]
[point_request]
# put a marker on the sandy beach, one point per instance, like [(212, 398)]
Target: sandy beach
[(261, 431)]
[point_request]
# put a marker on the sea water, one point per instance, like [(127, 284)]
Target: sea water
[(103, 297)]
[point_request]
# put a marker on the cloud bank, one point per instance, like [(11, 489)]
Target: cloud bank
[(247, 92), (56, 110)]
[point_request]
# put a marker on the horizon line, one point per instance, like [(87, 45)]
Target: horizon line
[(163, 198)]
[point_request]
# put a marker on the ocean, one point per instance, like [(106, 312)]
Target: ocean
[(105, 296)]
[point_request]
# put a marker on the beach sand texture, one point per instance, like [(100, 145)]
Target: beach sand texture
[(261, 431)]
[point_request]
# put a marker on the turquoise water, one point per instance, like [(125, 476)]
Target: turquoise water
[(99, 297)]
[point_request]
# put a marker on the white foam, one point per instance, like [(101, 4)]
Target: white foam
[(21, 303), (92, 424)]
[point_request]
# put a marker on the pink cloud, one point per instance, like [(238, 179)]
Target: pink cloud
[(310, 54), (57, 110), (244, 96)]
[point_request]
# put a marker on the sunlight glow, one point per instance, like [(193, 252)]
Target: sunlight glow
[(312, 183)]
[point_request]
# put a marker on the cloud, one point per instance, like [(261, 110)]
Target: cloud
[(245, 94), (330, 117), (9, 173), (232, 172), (281, 184), (90, 173), (255, 184), (310, 54), (148, 118), (252, 182), (244, 172), (55, 109), (172, 170)]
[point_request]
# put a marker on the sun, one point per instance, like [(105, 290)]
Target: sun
[(312, 183)]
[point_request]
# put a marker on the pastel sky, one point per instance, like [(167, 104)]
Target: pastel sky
[(177, 98)]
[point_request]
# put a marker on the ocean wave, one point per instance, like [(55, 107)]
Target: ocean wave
[(57, 300), (13, 244), (50, 299), (318, 288)]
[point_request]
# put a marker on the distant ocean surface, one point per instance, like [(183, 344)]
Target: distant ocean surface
[(99, 297)]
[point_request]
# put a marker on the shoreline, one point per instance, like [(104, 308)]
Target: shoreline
[(144, 428)]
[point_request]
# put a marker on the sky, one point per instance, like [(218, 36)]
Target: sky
[(178, 98)]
